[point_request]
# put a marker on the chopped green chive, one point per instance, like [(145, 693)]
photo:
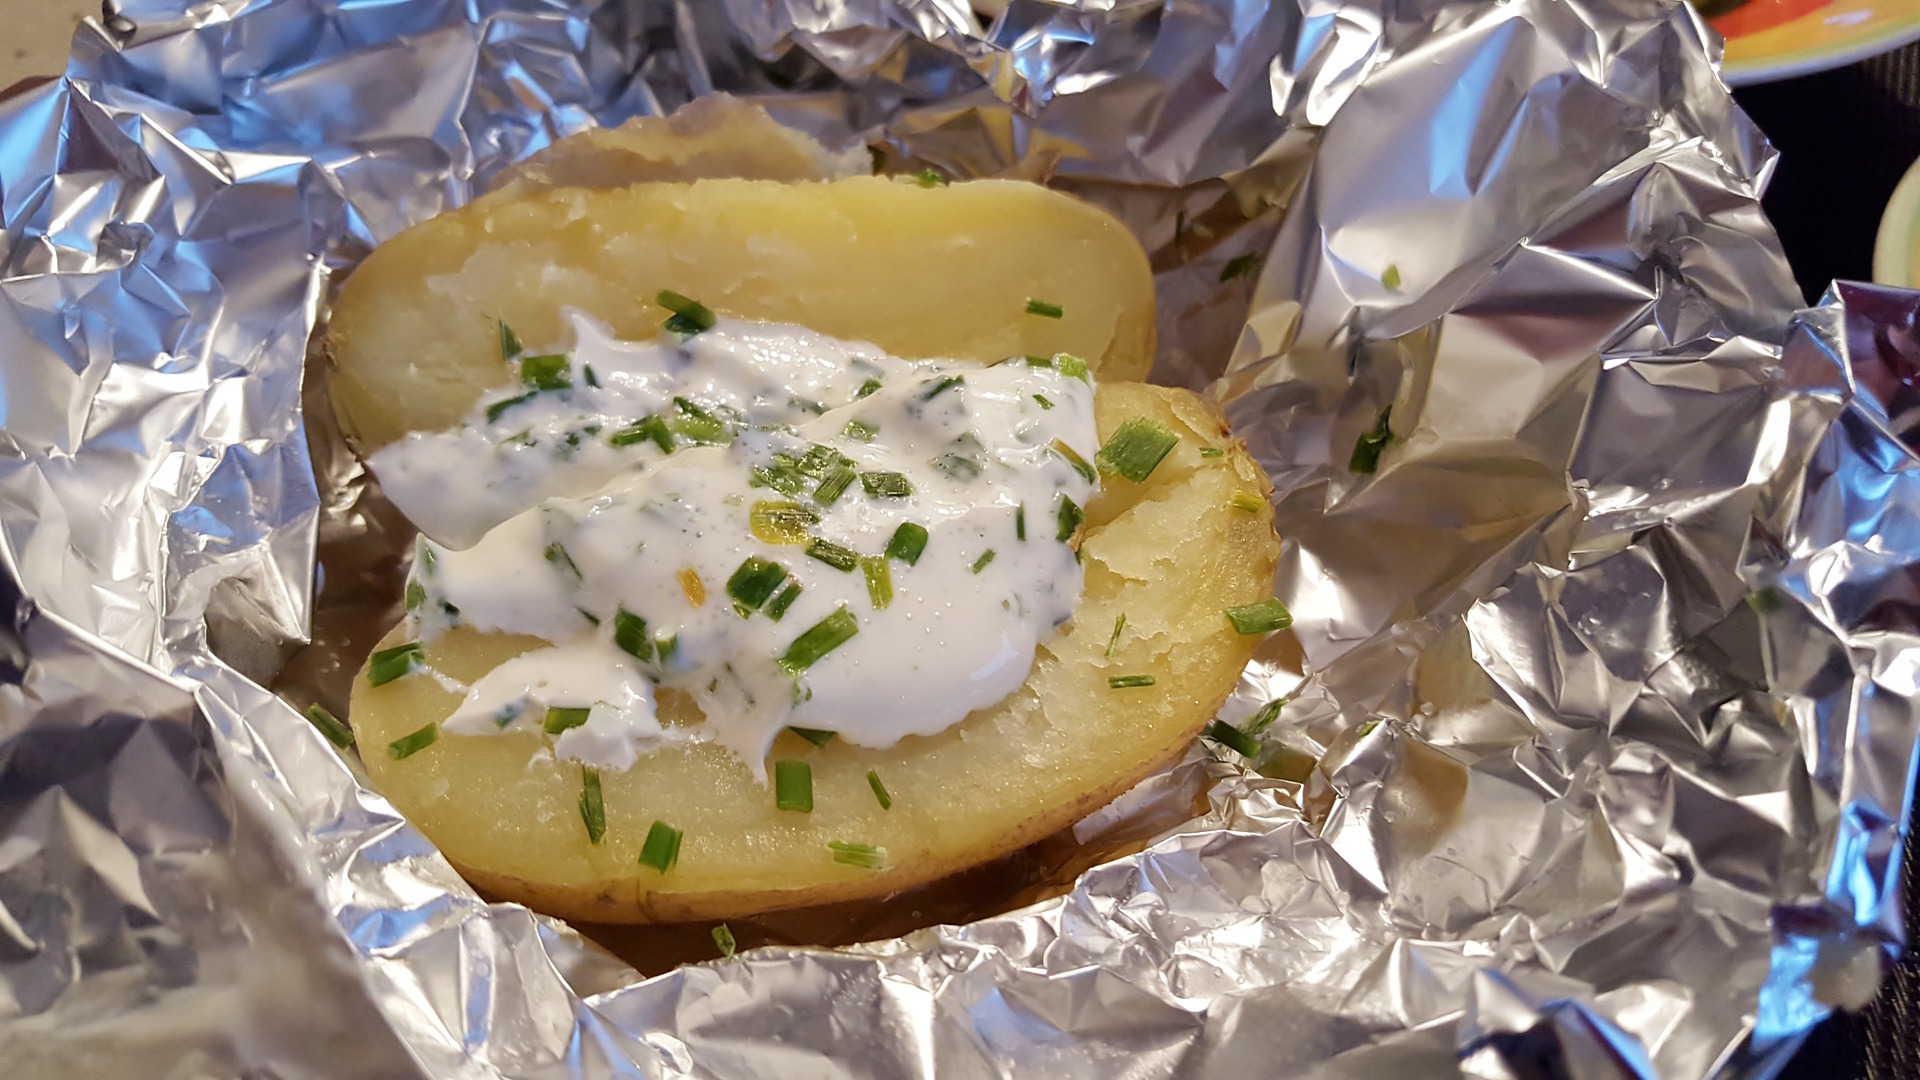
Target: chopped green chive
[(1119, 625), (1212, 451), (886, 485), (630, 634), (1240, 266), (834, 555), (661, 848), (879, 580), (593, 808), (336, 732), (754, 583), (820, 639), (816, 736), (909, 540), (1032, 361), (389, 664), (1391, 276), (563, 562), (1137, 448), (1268, 614), (1233, 738), (980, 563), (833, 485), (1071, 365), (793, 785), (935, 389), (559, 719), (775, 522), (1042, 399), (1020, 522), (723, 940), (864, 856), (1070, 518), (652, 428), (867, 389), (698, 424), (668, 646), (879, 790), (1264, 719), (1246, 502), (416, 594), (545, 372), (413, 742), (1044, 309), (1366, 451), (1127, 682), (1366, 729), (1073, 458), (690, 316), (929, 178), (778, 609), (781, 476), (509, 342), (860, 430), (499, 408), (586, 374)]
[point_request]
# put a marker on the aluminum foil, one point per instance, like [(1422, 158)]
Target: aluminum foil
[(1599, 728)]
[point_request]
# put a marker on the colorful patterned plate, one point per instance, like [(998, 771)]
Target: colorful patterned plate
[(1778, 39)]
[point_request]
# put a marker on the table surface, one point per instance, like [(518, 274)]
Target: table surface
[(1866, 116)]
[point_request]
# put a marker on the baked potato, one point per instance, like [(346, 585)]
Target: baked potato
[(1170, 554)]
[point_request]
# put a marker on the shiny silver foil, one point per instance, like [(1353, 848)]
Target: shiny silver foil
[(1608, 665)]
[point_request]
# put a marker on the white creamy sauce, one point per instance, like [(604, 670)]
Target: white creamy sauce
[(561, 514)]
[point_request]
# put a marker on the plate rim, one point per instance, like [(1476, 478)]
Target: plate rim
[(1747, 73)]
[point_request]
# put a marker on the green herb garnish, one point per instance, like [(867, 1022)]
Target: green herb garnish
[(559, 719), (774, 522), (1391, 276), (833, 485), (980, 563), (661, 848), (630, 634), (509, 343), (563, 562), (1212, 451), (1119, 625), (652, 428), (1246, 502), (336, 732), (941, 386), (1239, 266), (886, 485), (1264, 719), (499, 408), (865, 856), (909, 540), (1070, 517), (1044, 309), (867, 389), (1138, 448), (860, 430), (416, 594), (593, 809), (820, 639), (1073, 458), (1366, 451), (1127, 682), (587, 375), (698, 424), (723, 940), (879, 789), (816, 736), (793, 785), (389, 664), (413, 742), (1269, 614), (1042, 399), (1020, 522), (1071, 365), (834, 555), (1233, 738), (690, 316), (929, 178), (879, 580), (754, 582), (548, 372), (778, 609), (668, 646)]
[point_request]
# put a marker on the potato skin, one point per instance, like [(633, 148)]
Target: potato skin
[(921, 272), (1171, 553)]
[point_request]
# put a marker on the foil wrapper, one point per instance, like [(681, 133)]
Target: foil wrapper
[(1599, 728)]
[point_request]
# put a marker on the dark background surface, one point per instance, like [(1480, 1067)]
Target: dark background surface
[(1845, 138)]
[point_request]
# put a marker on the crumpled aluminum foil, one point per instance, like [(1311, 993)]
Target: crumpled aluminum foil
[(1609, 665)]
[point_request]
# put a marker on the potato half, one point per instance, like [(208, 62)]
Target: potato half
[(922, 272), (1171, 554)]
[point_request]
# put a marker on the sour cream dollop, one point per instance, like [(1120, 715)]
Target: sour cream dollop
[(793, 530)]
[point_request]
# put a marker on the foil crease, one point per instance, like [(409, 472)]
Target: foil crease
[(1608, 666)]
